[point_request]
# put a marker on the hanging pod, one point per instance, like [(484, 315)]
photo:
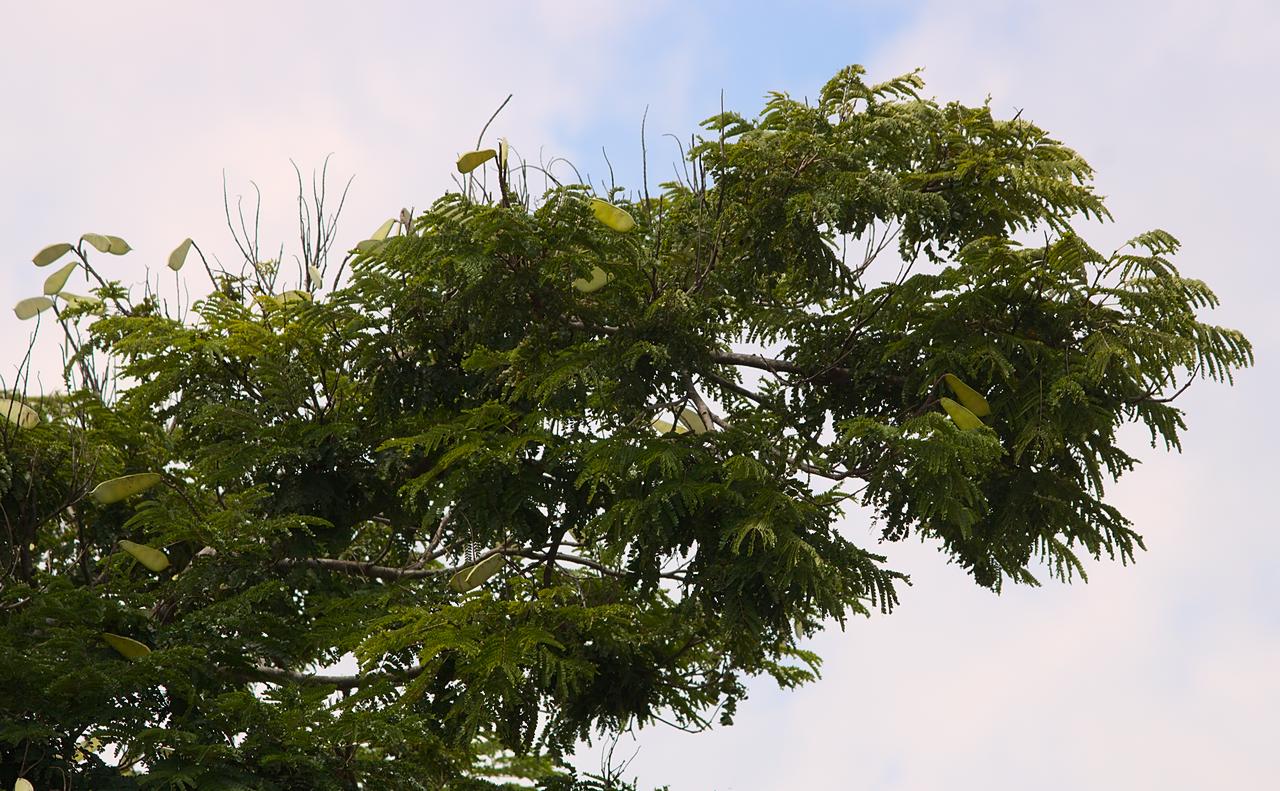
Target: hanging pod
[(599, 278), (694, 421), (75, 300), (117, 489), (663, 427), (31, 306), (179, 255), (476, 575), (126, 646), (613, 217), (973, 401), (961, 416), (474, 159), (54, 283), (152, 558), (18, 413), (51, 253)]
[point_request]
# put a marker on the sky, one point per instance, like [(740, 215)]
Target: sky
[(122, 118)]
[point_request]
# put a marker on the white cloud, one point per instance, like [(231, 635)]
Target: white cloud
[(122, 117)]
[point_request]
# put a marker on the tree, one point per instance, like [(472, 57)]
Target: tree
[(551, 466)]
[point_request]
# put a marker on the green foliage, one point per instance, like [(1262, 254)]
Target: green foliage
[(445, 465)]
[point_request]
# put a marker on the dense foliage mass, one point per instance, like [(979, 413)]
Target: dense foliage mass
[(552, 466)]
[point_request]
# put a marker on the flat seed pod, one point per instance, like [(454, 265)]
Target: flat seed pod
[(693, 420), (474, 159), (75, 300), (612, 216), (23, 784), (370, 245), (100, 243), (51, 253), (117, 246), (598, 278), (117, 489), (179, 255), (150, 557), (18, 413), (476, 575), (383, 231), (29, 307), (973, 401), (663, 427), (295, 295), (54, 283), (317, 277), (502, 152), (125, 646), (960, 416)]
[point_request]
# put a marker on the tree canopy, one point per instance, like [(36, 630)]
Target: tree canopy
[(553, 462)]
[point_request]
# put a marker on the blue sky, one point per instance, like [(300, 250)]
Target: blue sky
[(1161, 675)]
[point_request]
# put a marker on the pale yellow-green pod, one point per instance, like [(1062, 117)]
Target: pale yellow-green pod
[(51, 253), (599, 278), (117, 489), (18, 413), (613, 217), (55, 282), (474, 159), (973, 401), (152, 558), (475, 575), (127, 647), (179, 255), (961, 416), (31, 306)]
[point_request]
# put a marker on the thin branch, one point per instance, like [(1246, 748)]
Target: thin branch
[(480, 139)]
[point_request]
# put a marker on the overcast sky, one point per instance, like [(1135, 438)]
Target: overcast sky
[(121, 118)]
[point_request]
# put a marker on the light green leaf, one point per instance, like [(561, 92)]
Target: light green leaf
[(118, 246), (100, 243), (51, 253), (475, 575), (615, 218), (383, 231), (474, 159), (30, 306), (295, 295), (150, 557), (117, 489), (598, 278), (179, 255), (54, 283), (961, 416), (127, 647), (973, 401), (18, 413)]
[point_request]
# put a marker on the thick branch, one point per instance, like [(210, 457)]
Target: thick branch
[(275, 675)]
